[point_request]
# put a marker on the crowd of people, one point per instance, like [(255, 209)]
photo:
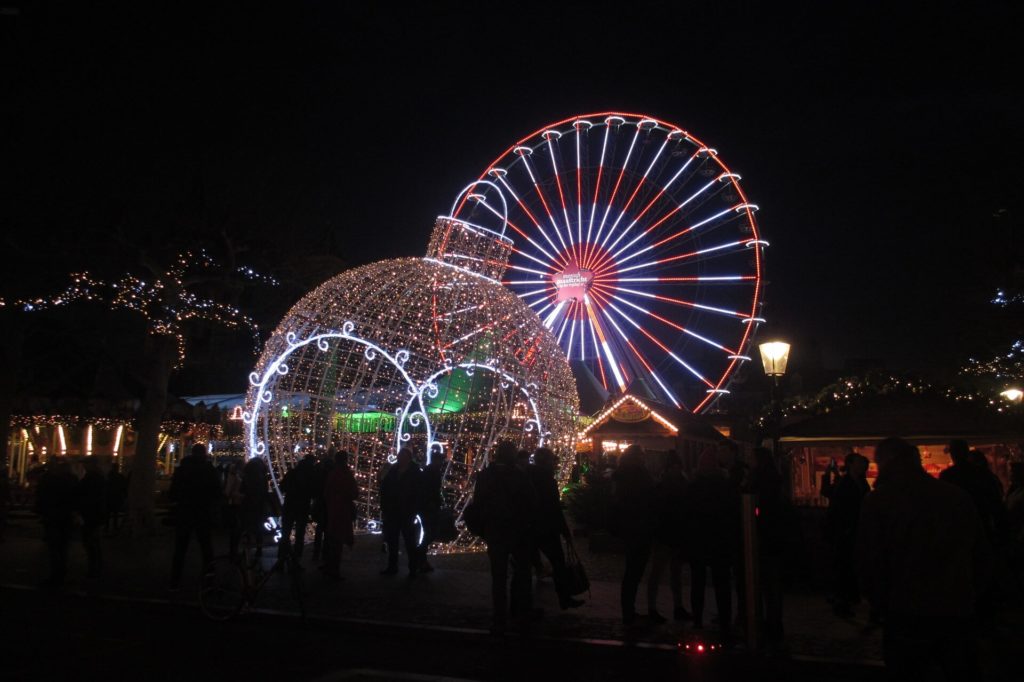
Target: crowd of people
[(923, 553), (81, 495), (670, 520)]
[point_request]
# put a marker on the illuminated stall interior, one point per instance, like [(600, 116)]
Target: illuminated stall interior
[(812, 444)]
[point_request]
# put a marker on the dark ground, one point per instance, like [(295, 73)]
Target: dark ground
[(129, 626)]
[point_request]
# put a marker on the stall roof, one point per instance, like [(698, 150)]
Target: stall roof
[(921, 420), (662, 420)]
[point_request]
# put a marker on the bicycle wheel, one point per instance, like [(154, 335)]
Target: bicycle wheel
[(222, 590)]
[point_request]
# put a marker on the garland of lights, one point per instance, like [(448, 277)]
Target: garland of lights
[(476, 365), (850, 391), (164, 301), (599, 419)]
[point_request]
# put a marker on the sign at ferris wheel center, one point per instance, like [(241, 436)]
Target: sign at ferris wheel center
[(571, 283)]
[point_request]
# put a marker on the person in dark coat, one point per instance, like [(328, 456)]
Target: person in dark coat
[(551, 527), (232, 506), (924, 558), (117, 495), (318, 512), (509, 504), (55, 505), (299, 488), (772, 532), (91, 504), (195, 489), (340, 494), (400, 491), (256, 502), (841, 522), (974, 481), (633, 518), (431, 501), (667, 551), (711, 510)]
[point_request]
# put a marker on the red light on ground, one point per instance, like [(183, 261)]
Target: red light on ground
[(757, 511), (700, 647)]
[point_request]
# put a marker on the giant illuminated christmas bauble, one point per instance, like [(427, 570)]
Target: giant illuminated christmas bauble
[(428, 353)]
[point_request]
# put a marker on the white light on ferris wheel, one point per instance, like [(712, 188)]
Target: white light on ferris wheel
[(616, 212)]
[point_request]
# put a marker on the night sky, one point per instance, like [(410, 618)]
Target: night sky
[(879, 147)]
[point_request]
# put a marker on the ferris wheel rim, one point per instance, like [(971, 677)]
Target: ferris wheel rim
[(549, 134)]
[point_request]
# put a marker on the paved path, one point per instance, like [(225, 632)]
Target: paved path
[(456, 595)]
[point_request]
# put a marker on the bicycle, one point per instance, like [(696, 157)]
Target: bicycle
[(231, 585)]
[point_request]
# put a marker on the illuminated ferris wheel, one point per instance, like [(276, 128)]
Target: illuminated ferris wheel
[(636, 245)]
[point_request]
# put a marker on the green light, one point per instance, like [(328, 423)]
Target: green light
[(364, 422)]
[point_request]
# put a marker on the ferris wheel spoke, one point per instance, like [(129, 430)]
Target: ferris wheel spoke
[(543, 199), (579, 186), (565, 320), (726, 279), (670, 323), (561, 195), (572, 331), (520, 233), (618, 183), (597, 353), (553, 315), (682, 256), (535, 292), (613, 364), (661, 221), (643, 361), (597, 185), (661, 191), (668, 351), (681, 233), (629, 202), (681, 302), (537, 260), (536, 223)]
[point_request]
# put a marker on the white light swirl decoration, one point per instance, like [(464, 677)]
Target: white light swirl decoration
[(429, 386), (256, 447)]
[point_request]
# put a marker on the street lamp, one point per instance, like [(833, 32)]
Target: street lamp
[(1014, 395), (774, 357)]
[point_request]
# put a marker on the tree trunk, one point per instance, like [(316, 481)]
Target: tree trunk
[(161, 353), (10, 361)]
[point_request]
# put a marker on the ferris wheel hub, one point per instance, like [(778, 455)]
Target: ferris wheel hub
[(572, 282)]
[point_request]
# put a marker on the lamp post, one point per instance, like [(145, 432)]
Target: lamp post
[(774, 357)]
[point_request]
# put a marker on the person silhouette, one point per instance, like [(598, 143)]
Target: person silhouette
[(925, 559), (509, 505), (195, 488), (551, 527), (632, 511), (400, 491)]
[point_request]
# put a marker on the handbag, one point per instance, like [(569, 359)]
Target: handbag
[(576, 580), (445, 530)]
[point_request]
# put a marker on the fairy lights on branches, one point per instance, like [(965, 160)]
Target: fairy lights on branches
[(168, 300)]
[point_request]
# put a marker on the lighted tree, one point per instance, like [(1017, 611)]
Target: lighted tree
[(1005, 366), (172, 299)]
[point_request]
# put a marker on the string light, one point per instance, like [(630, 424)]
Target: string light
[(427, 353), (603, 416), (853, 390), (165, 301)]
